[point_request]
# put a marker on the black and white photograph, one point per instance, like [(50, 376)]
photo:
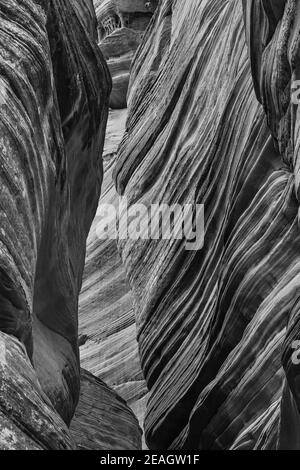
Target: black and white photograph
[(149, 229)]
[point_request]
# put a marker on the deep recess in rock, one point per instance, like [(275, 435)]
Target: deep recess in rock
[(121, 25), (109, 349)]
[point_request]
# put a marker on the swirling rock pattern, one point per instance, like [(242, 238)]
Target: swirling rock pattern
[(103, 420), (215, 326), (274, 51), (54, 89), (107, 330), (121, 25)]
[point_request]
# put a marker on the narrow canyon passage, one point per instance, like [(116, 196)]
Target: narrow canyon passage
[(156, 339), (107, 329)]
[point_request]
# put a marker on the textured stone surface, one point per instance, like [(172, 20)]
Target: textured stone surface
[(102, 420), (274, 52), (213, 325), (28, 419), (121, 25), (210, 121), (106, 320), (54, 88)]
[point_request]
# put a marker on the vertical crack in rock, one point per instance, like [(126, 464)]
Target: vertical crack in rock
[(107, 327), (106, 320)]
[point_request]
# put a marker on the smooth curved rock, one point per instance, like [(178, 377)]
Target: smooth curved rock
[(274, 51), (54, 89), (213, 324), (121, 25), (103, 421)]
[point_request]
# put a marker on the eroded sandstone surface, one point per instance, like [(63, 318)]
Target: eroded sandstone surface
[(103, 421), (121, 25), (54, 91), (211, 122)]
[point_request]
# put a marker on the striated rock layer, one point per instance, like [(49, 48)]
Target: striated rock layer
[(107, 330), (216, 326), (121, 25), (102, 420), (54, 89)]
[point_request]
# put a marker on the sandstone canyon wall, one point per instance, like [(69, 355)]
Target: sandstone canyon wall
[(211, 122), (121, 25), (54, 96)]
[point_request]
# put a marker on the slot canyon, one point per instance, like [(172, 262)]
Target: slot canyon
[(125, 344)]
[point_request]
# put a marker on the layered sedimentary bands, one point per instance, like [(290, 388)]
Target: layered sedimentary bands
[(107, 331), (54, 92), (211, 122), (121, 25), (103, 420)]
